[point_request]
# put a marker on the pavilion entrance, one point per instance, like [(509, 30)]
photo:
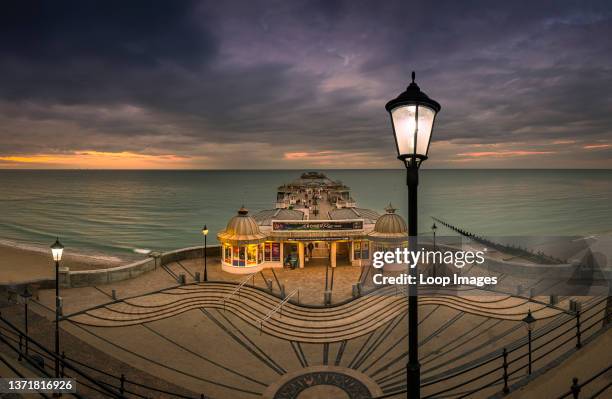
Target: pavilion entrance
[(317, 253), (343, 253)]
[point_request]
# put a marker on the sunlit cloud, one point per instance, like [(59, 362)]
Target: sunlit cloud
[(503, 154), (596, 146), (335, 159), (98, 160)]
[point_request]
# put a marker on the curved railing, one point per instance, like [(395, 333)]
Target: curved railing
[(492, 374), (499, 369)]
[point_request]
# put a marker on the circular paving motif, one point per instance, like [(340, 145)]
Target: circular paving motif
[(292, 389)]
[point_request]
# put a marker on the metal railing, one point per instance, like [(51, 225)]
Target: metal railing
[(238, 288), (499, 369), (279, 308), (576, 388), (115, 386)]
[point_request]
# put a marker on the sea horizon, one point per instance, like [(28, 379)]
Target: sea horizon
[(124, 213)]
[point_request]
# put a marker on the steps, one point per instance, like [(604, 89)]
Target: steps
[(315, 325)]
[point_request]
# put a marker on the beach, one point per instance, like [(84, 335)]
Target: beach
[(19, 265)]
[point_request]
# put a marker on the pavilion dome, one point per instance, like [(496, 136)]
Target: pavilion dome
[(241, 228), (390, 226)]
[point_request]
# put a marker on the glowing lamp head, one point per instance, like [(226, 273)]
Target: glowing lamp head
[(412, 115), (205, 230), (56, 250)]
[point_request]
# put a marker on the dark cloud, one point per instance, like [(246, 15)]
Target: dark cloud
[(182, 77)]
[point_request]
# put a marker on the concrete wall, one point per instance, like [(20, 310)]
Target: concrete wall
[(84, 278)]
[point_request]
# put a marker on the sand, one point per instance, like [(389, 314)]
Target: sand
[(20, 265)]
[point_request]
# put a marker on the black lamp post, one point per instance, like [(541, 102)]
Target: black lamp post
[(433, 229), (412, 115), (529, 320), (26, 295), (56, 250), (205, 233)]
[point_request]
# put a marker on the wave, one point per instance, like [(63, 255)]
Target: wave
[(141, 251), (92, 257)]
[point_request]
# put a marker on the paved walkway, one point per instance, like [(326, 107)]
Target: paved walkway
[(181, 334), (583, 364)]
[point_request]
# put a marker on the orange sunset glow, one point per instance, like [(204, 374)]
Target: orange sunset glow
[(97, 160)]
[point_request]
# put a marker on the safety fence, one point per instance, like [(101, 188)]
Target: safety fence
[(486, 376), (576, 388), (495, 373), (108, 385)]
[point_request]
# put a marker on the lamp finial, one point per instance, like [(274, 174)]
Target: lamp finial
[(413, 76)]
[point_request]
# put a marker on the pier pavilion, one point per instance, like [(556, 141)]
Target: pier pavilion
[(315, 222)]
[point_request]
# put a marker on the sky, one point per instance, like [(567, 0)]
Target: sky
[(302, 84)]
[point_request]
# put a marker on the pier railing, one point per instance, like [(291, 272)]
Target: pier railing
[(109, 385), (494, 375)]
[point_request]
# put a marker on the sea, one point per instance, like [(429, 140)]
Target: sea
[(126, 213)]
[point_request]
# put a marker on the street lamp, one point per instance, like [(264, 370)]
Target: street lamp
[(529, 320), (205, 233), (56, 250), (412, 116), (433, 229), (26, 295)]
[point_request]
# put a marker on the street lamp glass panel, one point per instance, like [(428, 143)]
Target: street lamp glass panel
[(404, 124), (56, 250), (426, 119), (406, 128), (205, 230)]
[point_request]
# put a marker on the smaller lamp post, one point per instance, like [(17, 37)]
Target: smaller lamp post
[(433, 229), (26, 295), (205, 234), (56, 250), (529, 321)]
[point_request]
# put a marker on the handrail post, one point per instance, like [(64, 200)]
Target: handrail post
[(575, 388), (122, 386), (20, 346), (578, 340), (506, 389)]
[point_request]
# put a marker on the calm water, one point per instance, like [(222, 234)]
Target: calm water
[(124, 212)]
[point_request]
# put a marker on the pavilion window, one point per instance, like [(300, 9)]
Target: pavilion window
[(276, 250), (227, 253), (365, 250), (268, 251), (361, 250), (251, 251), (239, 256)]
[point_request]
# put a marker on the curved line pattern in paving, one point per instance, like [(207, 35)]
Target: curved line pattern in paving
[(356, 318)]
